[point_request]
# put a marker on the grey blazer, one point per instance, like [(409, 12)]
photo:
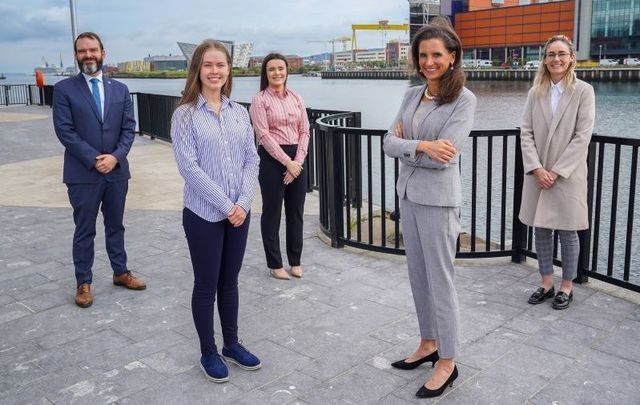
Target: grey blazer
[(421, 179)]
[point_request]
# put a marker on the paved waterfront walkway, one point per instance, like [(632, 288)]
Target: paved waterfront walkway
[(325, 339)]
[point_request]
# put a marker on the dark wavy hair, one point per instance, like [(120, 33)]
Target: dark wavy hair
[(264, 81), (452, 82), (193, 87)]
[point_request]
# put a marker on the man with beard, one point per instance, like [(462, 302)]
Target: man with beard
[(93, 118)]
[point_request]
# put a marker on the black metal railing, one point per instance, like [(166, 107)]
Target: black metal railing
[(13, 94), (359, 206), (365, 213), (154, 111), (27, 94)]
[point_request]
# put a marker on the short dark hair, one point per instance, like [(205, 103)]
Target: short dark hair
[(88, 34), (264, 81)]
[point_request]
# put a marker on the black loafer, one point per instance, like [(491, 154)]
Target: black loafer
[(404, 365), (562, 300), (540, 295)]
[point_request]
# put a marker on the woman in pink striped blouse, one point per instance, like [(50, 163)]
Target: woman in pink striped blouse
[(281, 125)]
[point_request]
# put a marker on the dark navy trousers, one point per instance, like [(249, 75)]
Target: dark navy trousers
[(86, 199), (217, 250)]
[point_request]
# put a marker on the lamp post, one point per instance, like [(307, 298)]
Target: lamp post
[(600, 53), (74, 23)]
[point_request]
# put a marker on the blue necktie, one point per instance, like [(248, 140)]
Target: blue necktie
[(96, 94)]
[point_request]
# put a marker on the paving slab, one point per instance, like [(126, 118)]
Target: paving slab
[(329, 337)]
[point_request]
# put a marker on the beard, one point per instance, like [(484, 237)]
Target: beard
[(89, 65)]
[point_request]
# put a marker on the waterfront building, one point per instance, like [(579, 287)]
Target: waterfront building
[(508, 31), (134, 66), (294, 61), (420, 13), (397, 53), (323, 59), (187, 49), (615, 29), (166, 62), (241, 54), (362, 56)]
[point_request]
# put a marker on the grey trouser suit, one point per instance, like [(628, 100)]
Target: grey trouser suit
[(430, 235), (430, 197)]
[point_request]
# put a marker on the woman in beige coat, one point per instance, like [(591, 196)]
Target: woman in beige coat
[(556, 131)]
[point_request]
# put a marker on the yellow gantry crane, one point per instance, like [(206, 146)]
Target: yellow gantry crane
[(382, 25)]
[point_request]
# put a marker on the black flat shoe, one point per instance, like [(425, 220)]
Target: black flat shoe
[(540, 295), (425, 392), (562, 300), (404, 365)]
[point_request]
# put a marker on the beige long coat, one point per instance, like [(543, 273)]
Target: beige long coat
[(559, 143)]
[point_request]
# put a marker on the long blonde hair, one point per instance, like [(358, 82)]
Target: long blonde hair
[(542, 82), (193, 87)]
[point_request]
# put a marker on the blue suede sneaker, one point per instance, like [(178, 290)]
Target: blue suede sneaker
[(214, 367), (241, 357)]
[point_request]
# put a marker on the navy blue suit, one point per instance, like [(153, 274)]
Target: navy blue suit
[(85, 135)]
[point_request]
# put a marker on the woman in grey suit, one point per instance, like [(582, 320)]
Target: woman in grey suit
[(426, 136), (556, 130)]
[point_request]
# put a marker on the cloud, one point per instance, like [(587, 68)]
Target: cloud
[(131, 29), (19, 24)]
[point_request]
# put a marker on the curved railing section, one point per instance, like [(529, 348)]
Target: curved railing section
[(359, 206)]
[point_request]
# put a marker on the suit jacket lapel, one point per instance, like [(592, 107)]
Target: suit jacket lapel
[(407, 116), (412, 106), (82, 86), (107, 95)]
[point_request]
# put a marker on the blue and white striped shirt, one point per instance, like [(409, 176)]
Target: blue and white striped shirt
[(216, 156)]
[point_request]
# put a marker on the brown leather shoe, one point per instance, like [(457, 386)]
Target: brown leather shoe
[(128, 280), (84, 299)]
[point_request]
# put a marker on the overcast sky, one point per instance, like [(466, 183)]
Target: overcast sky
[(132, 29)]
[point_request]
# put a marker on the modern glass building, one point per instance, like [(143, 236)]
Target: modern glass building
[(511, 33), (421, 12), (615, 29)]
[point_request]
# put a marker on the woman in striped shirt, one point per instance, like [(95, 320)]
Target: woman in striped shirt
[(280, 121), (215, 152)]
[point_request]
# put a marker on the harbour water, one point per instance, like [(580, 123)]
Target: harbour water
[(500, 104)]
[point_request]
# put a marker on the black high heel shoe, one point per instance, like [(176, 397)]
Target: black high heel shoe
[(425, 392), (403, 365)]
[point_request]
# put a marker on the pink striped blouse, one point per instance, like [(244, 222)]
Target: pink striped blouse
[(280, 119)]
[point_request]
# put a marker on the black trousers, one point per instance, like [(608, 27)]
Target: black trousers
[(217, 250), (274, 192)]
